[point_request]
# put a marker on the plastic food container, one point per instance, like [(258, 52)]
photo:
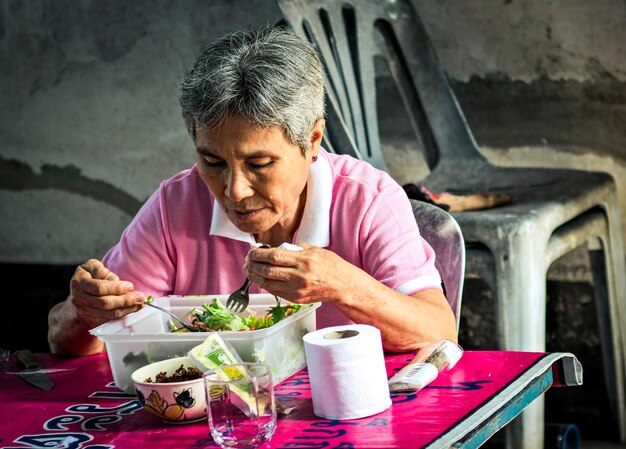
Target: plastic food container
[(143, 337)]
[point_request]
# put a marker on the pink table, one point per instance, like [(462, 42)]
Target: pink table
[(461, 408)]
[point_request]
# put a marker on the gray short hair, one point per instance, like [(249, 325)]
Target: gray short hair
[(270, 76)]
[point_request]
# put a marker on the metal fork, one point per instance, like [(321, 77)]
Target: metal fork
[(189, 327), (239, 299)]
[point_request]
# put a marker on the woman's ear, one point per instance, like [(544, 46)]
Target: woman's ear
[(316, 136)]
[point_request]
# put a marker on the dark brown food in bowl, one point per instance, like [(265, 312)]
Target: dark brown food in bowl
[(180, 375)]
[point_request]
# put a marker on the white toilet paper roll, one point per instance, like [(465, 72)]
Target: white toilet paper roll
[(347, 371)]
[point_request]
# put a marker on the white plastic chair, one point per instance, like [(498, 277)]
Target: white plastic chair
[(442, 232), (512, 246)]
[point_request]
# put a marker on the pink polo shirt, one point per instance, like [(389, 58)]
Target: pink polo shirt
[(181, 242)]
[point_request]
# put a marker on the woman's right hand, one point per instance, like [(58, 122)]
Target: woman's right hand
[(98, 294)]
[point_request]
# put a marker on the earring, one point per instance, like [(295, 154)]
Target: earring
[(314, 158)]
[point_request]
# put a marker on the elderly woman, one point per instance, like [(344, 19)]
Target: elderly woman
[(253, 104)]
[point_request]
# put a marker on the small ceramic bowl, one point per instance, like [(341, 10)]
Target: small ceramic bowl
[(171, 401)]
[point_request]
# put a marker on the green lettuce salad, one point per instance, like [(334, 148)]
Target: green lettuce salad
[(215, 317)]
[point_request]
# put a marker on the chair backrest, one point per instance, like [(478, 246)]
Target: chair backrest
[(353, 36), (443, 233)]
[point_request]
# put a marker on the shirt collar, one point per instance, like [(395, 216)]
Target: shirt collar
[(315, 225)]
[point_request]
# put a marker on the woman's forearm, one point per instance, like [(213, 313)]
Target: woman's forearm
[(407, 323), (68, 334)]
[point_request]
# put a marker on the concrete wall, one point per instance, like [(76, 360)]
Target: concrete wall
[(90, 116), (90, 120)]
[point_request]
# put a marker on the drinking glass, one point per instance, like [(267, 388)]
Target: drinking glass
[(240, 405)]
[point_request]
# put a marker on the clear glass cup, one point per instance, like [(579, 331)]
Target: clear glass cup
[(240, 405)]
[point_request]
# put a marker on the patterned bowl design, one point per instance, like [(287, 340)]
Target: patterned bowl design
[(173, 402)]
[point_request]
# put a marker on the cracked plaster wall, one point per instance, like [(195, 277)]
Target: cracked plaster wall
[(91, 125), (90, 116)]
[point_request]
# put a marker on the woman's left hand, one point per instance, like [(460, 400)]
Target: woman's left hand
[(319, 275), (311, 275)]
